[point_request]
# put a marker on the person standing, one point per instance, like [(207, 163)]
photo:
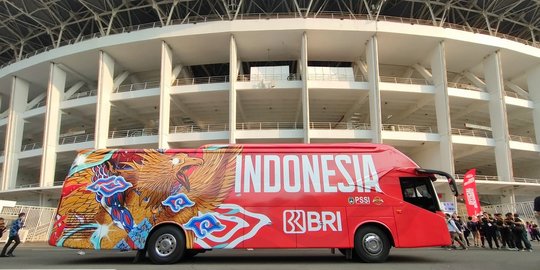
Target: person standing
[(490, 232), (13, 236), (507, 237), (520, 234), (454, 232), (481, 230), (463, 228), (536, 232), (537, 209), (473, 227)]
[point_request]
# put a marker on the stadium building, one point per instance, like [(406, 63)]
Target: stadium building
[(454, 85)]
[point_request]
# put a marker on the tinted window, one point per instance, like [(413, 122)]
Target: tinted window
[(419, 191)]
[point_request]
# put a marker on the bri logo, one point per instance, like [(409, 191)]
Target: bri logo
[(300, 221)]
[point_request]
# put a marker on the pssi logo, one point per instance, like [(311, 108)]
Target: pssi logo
[(300, 221)]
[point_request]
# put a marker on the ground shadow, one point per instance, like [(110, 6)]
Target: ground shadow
[(241, 259)]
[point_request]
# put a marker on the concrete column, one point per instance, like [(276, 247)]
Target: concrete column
[(372, 58), (104, 91), (497, 113), (508, 196), (165, 95), (442, 108), (233, 76), (533, 82), (14, 132), (55, 92), (305, 91)]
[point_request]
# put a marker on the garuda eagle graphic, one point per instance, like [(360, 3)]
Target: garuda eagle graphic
[(148, 179)]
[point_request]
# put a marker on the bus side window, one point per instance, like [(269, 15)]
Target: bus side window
[(419, 191)]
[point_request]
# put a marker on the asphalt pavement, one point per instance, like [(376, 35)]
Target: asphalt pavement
[(41, 256)]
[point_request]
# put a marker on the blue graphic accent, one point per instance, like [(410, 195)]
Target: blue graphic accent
[(122, 245), (95, 238), (121, 215), (109, 186), (216, 147), (204, 225), (79, 167), (178, 202), (232, 212), (221, 246), (140, 232)]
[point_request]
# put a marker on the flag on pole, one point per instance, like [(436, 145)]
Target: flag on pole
[(471, 194)]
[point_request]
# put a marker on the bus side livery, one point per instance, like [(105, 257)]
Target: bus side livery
[(359, 198)]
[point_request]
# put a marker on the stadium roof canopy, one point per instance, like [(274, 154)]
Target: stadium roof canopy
[(28, 27)]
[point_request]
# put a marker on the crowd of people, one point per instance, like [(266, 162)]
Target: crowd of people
[(508, 232)]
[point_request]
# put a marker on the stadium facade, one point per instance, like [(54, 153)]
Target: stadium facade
[(454, 85)]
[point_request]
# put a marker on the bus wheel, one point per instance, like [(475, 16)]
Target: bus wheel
[(166, 245), (371, 244)]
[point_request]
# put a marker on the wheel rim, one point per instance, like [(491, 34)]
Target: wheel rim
[(372, 243), (165, 245)]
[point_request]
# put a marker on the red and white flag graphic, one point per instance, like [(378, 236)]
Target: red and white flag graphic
[(470, 193)]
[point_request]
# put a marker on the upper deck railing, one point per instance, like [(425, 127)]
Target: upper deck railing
[(133, 133), (339, 125), (268, 77), (496, 178), (80, 138), (33, 185), (522, 139), (488, 134), (84, 94), (32, 146), (266, 16), (201, 80), (268, 125), (407, 128), (247, 77), (472, 132), (199, 128), (137, 86), (465, 86), (389, 79), (297, 125)]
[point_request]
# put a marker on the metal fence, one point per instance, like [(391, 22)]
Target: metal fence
[(407, 128), (38, 222), (472, 132), (137, 86), (496, 178), (524, 209)]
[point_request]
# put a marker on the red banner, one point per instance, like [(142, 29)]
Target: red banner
[(470, 194)]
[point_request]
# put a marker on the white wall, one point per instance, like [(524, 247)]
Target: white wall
[(426, 156), (530, 172)]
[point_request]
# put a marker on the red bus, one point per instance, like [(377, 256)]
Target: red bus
[(361, 199)]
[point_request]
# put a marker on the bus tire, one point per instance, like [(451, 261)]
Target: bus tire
[(166, 245), (371, 244)]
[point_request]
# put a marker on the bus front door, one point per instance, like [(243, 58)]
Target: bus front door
[(417, 220)]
